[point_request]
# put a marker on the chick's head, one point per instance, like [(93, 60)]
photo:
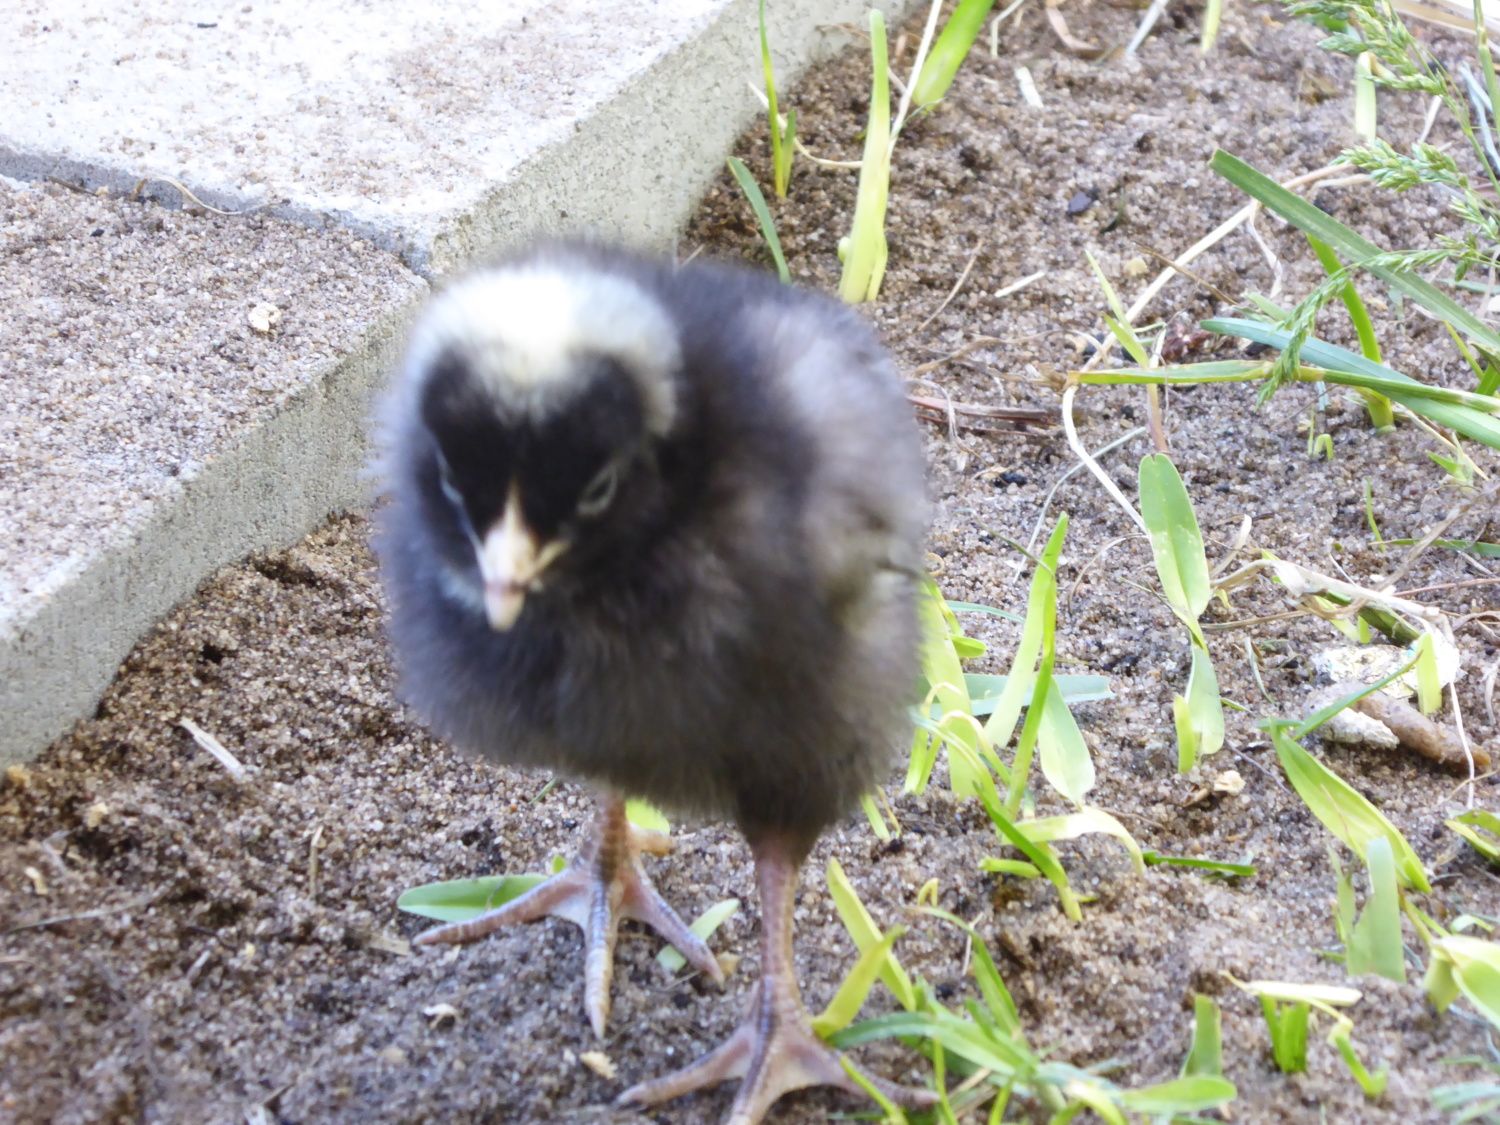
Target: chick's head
[(542, 392)]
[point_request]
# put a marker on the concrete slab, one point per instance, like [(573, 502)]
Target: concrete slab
[(437, 130), (150, 431)]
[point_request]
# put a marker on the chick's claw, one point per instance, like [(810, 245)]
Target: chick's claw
[(604, 884), (773, 1052)]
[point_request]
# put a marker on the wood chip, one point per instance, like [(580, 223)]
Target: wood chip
[(1230, 783), (1027, 86), (389, 943), (600, 1063)]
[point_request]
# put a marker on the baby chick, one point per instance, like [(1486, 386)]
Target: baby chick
[(655, 528)]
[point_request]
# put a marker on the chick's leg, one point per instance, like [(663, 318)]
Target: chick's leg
[(774, 1050), (604, 884)]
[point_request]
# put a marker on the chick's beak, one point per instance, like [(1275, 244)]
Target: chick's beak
[(511, 560)]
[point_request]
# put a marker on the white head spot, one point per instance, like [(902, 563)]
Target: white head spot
[(523, 327)]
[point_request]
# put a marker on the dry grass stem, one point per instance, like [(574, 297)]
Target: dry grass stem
[(221, 754)]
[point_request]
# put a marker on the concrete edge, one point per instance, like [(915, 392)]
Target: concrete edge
[(635, 169), (659, 142), (279, 482)]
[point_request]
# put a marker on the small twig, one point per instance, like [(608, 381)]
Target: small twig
[(1481, 758), (973, 345), (945, 408), (1222, 231), (1434, 106), (187, 194), (1260, 685), (216, 748), (1148, 21), (1273, 259), (1241, 537), (1448, 586), (1027, 85), (312, 861), (957, 285), (1247, 622), (1017, 286), (929, 29), (1480, 102), (824, 162), (85, 915), (1036, 529), (1252, 762), (1224, 297), (1082, 48), (1025, 414), (197, 966), (1087, 568), (1094, 467), (1433, 534)]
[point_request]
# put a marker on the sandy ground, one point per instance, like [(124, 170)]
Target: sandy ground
[(235, 948)]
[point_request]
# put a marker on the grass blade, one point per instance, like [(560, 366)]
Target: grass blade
[(1206, 1055), (949, 51), (1180, 1095), (1176, 541), (1050, 829), (1481, 829), (1061, 751), (704, 926), (1201, 713), (762, 216), (1042, 857), (856, 986), (1214, 866), (1375, 943), (867, 935), (1350, 246), (782, 149), (1343, 810), (458, 900), (864, 262), (1460, 411), (1466, 966)]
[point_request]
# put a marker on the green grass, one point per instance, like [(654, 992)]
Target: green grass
[(864, 251), (763, 216), (984, 1043)]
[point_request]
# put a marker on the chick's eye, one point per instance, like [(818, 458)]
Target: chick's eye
[(600, 491)]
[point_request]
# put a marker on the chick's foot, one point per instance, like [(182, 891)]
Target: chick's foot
[(603, 885), (774, 1051)]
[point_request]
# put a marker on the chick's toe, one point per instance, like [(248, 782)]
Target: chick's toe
[(603, 885), (774, 1050)]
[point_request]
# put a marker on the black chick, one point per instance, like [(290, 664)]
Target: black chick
[(654, 528)]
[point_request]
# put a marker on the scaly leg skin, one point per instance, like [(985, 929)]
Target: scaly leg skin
[(604, 884), (774, 1051)]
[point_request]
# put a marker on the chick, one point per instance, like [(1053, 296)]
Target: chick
[(655, 528)]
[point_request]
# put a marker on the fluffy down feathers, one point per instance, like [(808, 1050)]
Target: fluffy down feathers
[(737, 634)]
